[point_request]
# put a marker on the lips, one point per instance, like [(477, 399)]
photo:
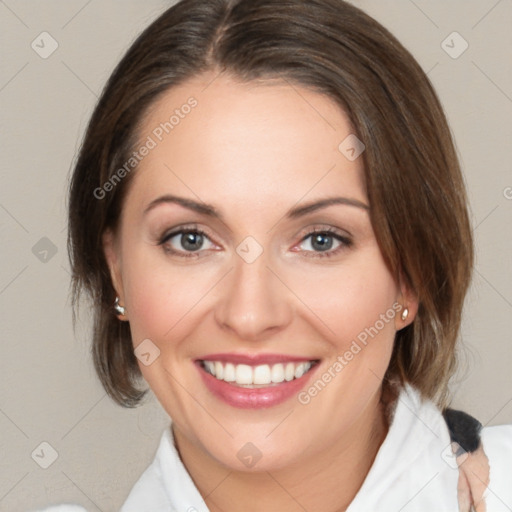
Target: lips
[(255, 381)]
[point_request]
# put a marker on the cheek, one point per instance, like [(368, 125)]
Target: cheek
[(357, 302), (351, 298), (160, 294)]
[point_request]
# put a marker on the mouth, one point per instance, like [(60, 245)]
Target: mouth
[(260, 376), (255, 381)]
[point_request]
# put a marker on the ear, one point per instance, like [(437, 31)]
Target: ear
[(112, 256), (408, 299)]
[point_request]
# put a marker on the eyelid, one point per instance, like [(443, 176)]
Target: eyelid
[(345, 241), (180, 230), (342, 236), (169, 233), (319, 228)]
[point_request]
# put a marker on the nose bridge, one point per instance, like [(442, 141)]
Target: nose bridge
[(253, 302)]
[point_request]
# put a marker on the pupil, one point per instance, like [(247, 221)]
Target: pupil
[(322, 242), (191, 241)]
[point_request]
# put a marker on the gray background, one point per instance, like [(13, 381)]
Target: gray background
[(49, 392)]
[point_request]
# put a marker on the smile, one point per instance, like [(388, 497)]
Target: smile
[(256, 376), (255, 381)]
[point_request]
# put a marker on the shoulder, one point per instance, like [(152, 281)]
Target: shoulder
[(484, 456), (497, 440), (166, 484), (149, 491), (468, 432), (497, 445)]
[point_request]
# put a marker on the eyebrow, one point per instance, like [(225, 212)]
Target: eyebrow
[(211, 211)]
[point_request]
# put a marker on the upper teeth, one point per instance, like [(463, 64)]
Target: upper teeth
[(244, 374)]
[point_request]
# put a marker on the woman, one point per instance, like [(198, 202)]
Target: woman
[(269, 215)]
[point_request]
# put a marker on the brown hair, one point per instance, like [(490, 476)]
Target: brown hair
[(414, 183)]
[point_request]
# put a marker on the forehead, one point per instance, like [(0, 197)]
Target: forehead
[(265, 144)]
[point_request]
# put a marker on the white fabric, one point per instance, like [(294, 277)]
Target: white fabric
[(412, 472), (497, 444)]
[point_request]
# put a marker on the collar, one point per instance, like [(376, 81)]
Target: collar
[(411, 471)]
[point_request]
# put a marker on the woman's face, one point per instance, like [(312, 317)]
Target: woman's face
[(268, 278)]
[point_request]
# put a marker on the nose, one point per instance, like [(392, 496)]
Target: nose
[(254, 304)]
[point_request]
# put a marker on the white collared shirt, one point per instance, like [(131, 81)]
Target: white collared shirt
[(414, 470)]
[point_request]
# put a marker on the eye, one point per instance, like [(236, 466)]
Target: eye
[(186, 242), (320, 242)]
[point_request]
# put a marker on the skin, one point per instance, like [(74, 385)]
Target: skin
[(254, 151)]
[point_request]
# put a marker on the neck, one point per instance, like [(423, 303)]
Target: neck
[(328, 481)]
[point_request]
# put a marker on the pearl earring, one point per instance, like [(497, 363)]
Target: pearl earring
[(120, 310), (405, 314)]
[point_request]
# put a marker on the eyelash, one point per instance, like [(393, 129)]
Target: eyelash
[(181, 231), (346, 242)]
